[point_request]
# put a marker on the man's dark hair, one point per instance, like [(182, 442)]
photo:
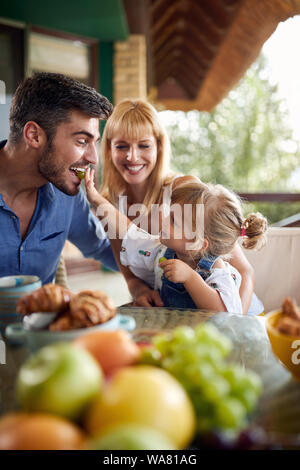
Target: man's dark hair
[(48, 99)]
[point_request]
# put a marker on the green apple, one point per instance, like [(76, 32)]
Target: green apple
[(132, 436), (59, 379)]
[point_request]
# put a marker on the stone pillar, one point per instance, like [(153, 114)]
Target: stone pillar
[(130, 70)]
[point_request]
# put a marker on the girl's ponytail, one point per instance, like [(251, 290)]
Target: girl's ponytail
[(253, 230)]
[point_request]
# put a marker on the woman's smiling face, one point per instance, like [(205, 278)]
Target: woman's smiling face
[(134, 158)]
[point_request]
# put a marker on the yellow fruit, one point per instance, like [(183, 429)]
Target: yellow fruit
[(147, 396), (132, 437)]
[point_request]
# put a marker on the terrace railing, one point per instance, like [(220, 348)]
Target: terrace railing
[(292, 221)]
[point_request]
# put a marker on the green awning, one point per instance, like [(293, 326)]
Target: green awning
[(104, 20)]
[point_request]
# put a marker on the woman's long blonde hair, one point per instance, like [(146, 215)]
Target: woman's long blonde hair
[(133, 119)]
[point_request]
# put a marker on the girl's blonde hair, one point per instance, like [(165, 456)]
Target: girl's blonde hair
[(133, 119), (223, 217)]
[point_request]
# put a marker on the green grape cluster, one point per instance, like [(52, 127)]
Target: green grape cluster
[(223, 394)]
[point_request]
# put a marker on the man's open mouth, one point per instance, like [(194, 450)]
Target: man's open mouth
[(78, 171)]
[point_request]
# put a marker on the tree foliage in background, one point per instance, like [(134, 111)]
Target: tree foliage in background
[(245, 143)]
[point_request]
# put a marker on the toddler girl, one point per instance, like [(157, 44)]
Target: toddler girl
[(190, 273)]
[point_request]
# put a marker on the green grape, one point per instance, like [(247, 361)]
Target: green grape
[(216, 389), (150, 356), (222, 394), (248, 398), (80, 174), (231, 413), (161, 342), (200, 373), (172, 364), (212, 336), (251, 381), (205, 351), (234, 374), (241, 379), (182, 334)]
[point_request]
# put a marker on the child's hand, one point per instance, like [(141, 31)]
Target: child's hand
[(176, 270), (91, 192)]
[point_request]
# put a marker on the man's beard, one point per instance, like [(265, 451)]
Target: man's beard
[(53, 172)]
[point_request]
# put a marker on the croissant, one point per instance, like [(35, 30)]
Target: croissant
[(49, 298), (64, 323), (289, 307), (289, 325), (91, 308)]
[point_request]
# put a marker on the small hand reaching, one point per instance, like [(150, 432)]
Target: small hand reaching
[(176, 270), (92, 194)]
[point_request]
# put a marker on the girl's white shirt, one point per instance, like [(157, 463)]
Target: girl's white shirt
[(141, 252)]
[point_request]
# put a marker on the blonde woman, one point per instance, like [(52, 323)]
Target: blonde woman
[(135, 152)]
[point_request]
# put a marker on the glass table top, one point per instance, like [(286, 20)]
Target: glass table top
[(278, 410)]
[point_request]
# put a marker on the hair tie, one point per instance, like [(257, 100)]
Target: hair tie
[(243, 232)]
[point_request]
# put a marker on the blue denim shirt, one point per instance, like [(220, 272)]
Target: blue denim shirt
[(57, 218), (174, 294)]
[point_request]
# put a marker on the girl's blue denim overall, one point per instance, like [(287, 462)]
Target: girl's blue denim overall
[(174, 294)]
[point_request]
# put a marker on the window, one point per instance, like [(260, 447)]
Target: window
[(48, 53), (11, 70)]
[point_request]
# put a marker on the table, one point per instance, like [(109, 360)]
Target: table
[(278, 410)]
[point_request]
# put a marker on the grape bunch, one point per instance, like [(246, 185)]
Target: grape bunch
[(223, 394)]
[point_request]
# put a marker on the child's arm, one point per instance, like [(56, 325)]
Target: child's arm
[(140, 291), (202, 294), (116, 223), (242, 265)]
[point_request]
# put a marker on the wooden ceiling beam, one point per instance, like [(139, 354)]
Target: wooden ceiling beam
[(197, 72), (175, 66), (201, 17), (158, 40), (173, 44), (190, 72), (184, 46), (190, 89), (165, 69), (158, 8), (221, 13), (202, 39), (161, 23), (184, 85), (189, 36)]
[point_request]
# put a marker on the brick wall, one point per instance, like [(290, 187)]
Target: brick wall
[(130, 73)]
